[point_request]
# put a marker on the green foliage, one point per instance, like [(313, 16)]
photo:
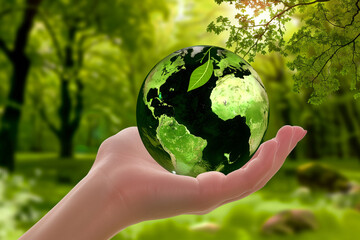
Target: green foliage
[(16, 204), (177, 231), (79, 49), (244, 220), (323, 51), (115, 61), (238, 220)]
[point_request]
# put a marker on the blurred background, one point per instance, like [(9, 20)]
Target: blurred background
[(70, 72)]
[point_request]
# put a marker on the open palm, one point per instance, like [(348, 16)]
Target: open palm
[(150, 192)]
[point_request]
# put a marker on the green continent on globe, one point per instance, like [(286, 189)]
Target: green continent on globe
[(180, 144), (242, 96), (202, 108), (159, 75)]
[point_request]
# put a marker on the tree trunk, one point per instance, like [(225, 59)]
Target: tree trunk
[(11, 118), (69, 126), (65, 134), (68, 107), (66, 144), (353, 140), (20, 68)]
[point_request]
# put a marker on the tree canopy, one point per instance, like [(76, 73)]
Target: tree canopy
[(323, 51), (86, 60)]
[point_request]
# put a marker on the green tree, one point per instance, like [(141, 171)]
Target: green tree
[(75, 29), (323, 51), (13, 45)]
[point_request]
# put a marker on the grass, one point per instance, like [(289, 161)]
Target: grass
[(238, 220), (54, 177)]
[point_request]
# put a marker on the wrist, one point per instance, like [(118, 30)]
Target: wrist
[(86, 212), (116, 214)]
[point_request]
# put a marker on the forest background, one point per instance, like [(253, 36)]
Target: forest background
[(70, 72)]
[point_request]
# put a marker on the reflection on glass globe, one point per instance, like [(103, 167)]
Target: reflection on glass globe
[(200, 109)]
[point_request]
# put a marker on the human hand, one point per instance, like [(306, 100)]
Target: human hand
[(126, 186), (148, 191)]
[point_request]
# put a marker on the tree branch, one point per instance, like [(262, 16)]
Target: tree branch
[(8, 53), (278, 16), (335, 25), (52, 34), (352, 20), (79, 106), (48, 122), (81, 49), (33, 7), (319, 56), (25, 26), (332, 55), (357, 12)]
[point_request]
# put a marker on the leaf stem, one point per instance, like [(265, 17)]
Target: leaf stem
[(208, 51)]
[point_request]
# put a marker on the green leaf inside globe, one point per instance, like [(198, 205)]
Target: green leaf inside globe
[(201, 75), (200, 109)]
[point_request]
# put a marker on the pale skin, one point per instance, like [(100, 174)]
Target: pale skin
[(126, 186)]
